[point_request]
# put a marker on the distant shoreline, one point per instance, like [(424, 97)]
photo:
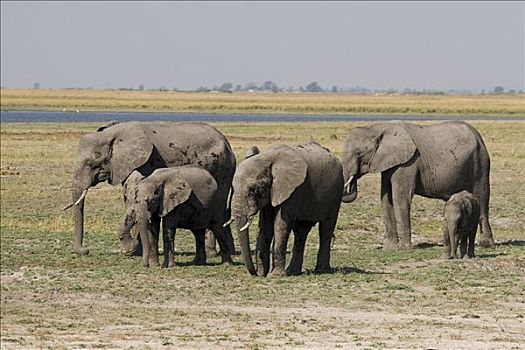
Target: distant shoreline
[(304, 104)]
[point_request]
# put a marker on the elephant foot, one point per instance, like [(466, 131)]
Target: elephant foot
[(323, 269), (81, 250), (260, 272), (226, 259), (405, 245), (167, 264), (211, 252), (277, 272), (293, 271), (390, 244), (199, 261), (446, 256), (154, 262), (486, 242)]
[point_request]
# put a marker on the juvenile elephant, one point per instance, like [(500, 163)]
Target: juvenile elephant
[(117, 149), (183, 197), (461, 224), (293, 187), (433, 161)]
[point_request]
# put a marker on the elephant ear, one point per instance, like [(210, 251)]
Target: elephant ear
[(251, 151), (176, 192), (107, 125), (288, 172), (395, 147), (130, 149)]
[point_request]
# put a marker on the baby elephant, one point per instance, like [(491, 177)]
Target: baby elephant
[(184, 197), (461, 223)]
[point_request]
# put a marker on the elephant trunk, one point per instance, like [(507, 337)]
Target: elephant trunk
[(242, 222), (244, 242), (128, 243), (350, 190), (82, 181), (78, 217)]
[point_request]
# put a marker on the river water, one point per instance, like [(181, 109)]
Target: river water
[(57, 117)]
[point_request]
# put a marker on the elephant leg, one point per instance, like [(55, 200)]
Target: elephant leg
[(463, 245), (264, 241), (210, 243), (282, 232), (446, 242), (144, 234), (168, 234), (300, 231), (154, 242), (326, 233), (200, 251), (219, 231), (486, 237), (471, 240), (403, 185), (390, 239), (228, 238)]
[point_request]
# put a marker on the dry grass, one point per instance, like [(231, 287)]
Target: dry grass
[(51, 298), (260, 103)]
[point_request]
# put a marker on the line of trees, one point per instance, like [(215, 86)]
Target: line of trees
[(267, 86), (315, 87)]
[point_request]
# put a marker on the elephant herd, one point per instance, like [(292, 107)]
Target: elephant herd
[(184, 175)]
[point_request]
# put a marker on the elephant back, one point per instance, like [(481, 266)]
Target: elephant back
[(321, 163)]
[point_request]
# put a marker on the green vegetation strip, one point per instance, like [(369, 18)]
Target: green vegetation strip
[(261, 103)]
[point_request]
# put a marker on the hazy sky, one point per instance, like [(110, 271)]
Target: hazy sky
[(424, 45)]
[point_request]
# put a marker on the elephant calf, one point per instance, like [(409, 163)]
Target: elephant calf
[(184, 197), (293, 188), (462, 213)]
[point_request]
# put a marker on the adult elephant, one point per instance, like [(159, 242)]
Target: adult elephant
[(117, 149), (432, 161), (293, 188)]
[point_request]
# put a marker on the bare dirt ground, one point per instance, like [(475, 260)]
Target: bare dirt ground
[(428, 320)]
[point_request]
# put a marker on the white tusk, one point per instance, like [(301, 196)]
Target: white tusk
[(68, 206), (247, 224), (81, 197), (349, 180), (228, 223), (347, 184)]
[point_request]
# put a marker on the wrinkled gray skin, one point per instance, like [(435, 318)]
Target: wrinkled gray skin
[(461, 223), (432, 161), (117, 149), (293, 188), (183, 197)]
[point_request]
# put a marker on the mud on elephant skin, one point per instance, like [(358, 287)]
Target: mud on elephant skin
[(293, 188), (432, 161), (182, 197), (115, 150), (460, 226)]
